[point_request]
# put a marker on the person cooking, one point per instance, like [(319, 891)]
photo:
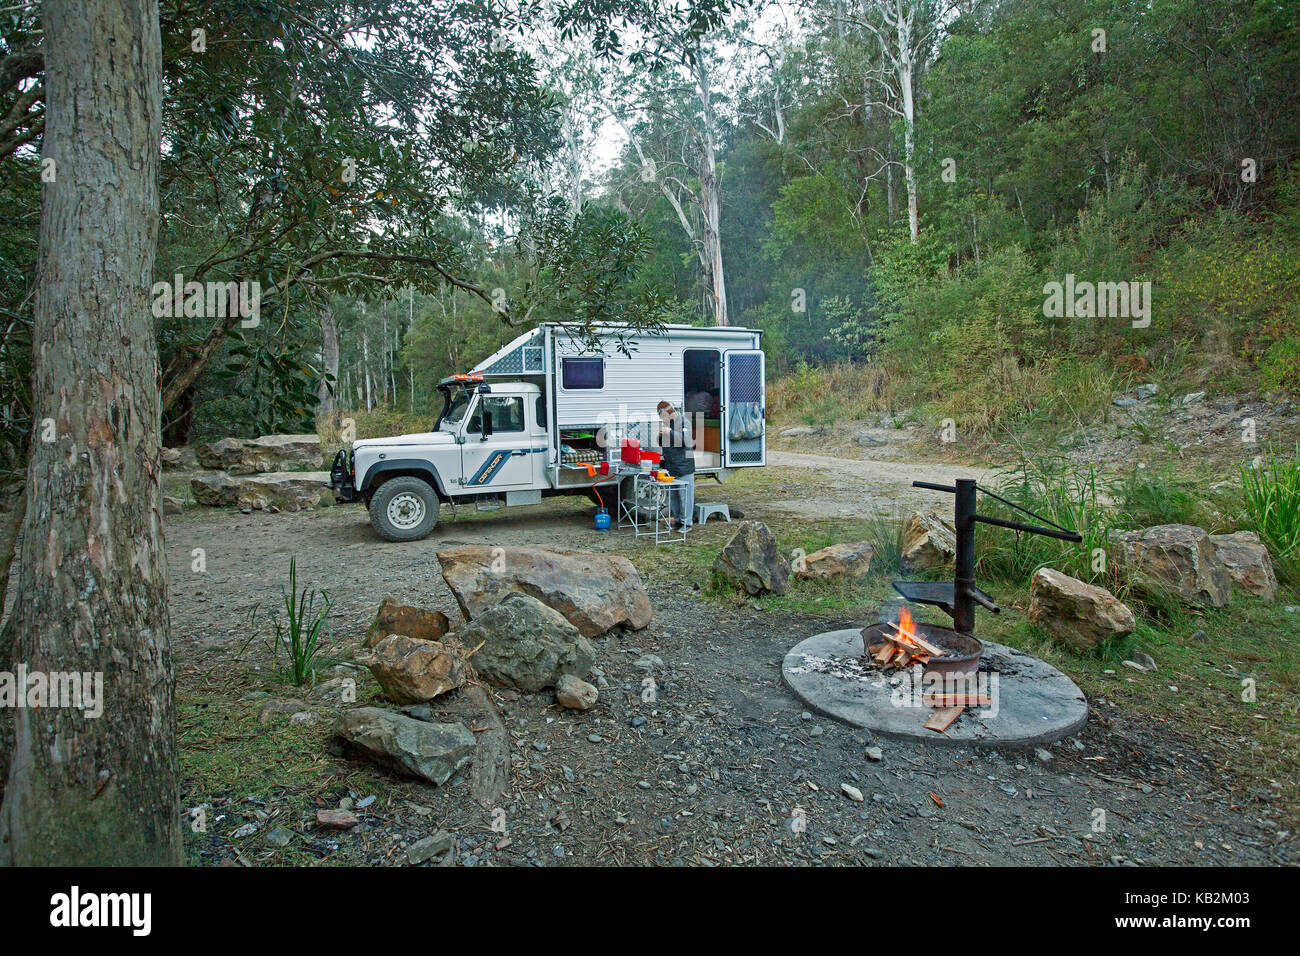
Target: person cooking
[(678, 460)]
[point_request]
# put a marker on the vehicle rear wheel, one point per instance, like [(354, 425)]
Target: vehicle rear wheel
[(404, 509)]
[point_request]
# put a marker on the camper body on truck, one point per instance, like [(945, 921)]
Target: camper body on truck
[(526, 423)]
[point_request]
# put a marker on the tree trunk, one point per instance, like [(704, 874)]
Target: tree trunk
[(906, 66), (711, 199), (329, 358), (92, 577)]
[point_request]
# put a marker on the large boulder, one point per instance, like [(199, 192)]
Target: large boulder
[(416, 747), (411, 671), (217, 490), (1176, 560), (525, 644), (751, 559), (248, 456), (928, 542), (837, 561), (595, 592), (1076, 613), (1247, 561), (393, 617), (276, 491)]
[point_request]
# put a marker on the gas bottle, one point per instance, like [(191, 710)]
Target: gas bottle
[(602, 519)]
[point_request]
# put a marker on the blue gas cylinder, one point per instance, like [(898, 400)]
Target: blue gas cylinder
[(602, 519)]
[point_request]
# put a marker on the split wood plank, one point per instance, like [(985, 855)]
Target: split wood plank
[(942, 718), (915, 639)]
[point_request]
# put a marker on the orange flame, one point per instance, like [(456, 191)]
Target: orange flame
[(906, 627)]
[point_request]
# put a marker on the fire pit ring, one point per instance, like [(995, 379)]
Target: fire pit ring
[(962, 651)]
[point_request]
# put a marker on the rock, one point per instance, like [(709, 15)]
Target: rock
[(1247, 561), (171, 457), (282, 491), (800, 431), (1043, 755), (1076, 613), (575, 693), (411, 671), (837, 561), (247, 456), (394, 617), (751, 559), (279, 837), (595, 592), (875, 754), (1193, 398), (336, 819), (278, 708), (853, 793), (285, 490), (928, 542), (869, 439), (431, 751), (1144, 660), (1176, 560), (1143, 392), (526, 644), (217, 491), (428, 847), (1125, 402), (173, 506)]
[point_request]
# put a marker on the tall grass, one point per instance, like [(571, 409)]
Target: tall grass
[(1063, 494), (1272, 510), (1148, 496), (299, 634)]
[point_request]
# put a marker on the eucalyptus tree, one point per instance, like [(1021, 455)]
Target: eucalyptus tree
[(92, 777)]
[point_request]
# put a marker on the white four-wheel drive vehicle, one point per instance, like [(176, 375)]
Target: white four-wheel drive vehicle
[(527, 422)]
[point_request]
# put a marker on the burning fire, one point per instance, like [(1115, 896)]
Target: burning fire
[(901, 644), (907, 628)]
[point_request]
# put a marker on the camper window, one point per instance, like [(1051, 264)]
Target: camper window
[(582, 373)]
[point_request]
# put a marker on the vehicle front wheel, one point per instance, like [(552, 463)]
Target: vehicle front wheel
[(404, 509)]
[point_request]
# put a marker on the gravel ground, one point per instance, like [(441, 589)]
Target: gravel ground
[(721, 766)]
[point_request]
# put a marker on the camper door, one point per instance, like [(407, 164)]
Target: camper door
[(744, 415)]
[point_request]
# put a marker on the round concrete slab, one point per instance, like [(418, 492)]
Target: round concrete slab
[(1032, 702)]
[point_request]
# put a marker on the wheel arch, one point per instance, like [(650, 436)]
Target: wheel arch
[(396, 468)]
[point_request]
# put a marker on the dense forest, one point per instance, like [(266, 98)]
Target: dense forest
[(888, 185)]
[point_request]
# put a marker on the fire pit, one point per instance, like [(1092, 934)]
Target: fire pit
[(1008, 698)]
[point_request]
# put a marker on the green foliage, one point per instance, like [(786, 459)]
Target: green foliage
[(1145, 497), (1063, 494), (1272, 510), (305, 623)]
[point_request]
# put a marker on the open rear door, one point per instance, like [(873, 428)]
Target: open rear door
[(744, 415)]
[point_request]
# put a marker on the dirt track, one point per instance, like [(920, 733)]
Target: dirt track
[(853, 484)]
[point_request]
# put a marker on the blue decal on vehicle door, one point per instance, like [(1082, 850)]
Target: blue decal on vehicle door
[(496, 461)]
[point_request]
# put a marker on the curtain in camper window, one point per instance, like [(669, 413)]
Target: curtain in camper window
[(582, 373)]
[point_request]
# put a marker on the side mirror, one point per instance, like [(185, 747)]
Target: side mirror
[(487, 426)]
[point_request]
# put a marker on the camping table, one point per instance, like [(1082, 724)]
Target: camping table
[(649, 512)]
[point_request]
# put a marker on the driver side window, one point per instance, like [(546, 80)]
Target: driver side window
[(507, 414)]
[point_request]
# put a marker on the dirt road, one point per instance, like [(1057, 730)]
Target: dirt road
[(850, 486)]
